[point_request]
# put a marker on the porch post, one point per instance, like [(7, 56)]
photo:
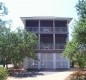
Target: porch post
[(39, 61), (54, 35), (54, 60), (68, 63), (39, 36)]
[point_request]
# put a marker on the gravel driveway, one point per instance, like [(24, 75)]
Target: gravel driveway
[(43, 75)]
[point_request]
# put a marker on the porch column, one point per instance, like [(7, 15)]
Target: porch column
[(53, 34), (39, 36), (38, 41), (54, 60), (68, 63), (39, 26), (54, 41), (39, 61)]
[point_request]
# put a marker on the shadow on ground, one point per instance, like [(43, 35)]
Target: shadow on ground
[(34, 73), (27, 74)]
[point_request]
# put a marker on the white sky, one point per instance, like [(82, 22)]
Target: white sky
[(27, 8)]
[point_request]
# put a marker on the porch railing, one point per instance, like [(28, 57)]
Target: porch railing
[(61, 29), (32, 29), (59, 45), (51, 46), (48, 29), (46, 46)]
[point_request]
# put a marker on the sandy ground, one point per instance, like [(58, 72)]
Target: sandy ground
[(45, 75)]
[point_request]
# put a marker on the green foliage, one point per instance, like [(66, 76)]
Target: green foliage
[(3, 12), (21, 45), (76, 49), (3, 73), (15, 45), (80, 27), (81, 8), (3, 9), (71, 50), (79, 33)]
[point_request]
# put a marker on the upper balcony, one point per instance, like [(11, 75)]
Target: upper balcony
[(47, 26), (46, 46), (61, 30), (46, 29), (50, 46), (60, 45), (56, 30), (33, 29)]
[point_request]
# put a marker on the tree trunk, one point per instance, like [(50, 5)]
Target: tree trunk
[(15, 66), (7, 66), (3, 62), (3, 65), (72, 64)]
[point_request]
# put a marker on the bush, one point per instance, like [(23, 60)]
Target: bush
[(78, 75), (3, 73)]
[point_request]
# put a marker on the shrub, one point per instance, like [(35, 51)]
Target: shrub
[(3, 73), (78, 75)]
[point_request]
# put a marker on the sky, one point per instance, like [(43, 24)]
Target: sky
[(28, 8)]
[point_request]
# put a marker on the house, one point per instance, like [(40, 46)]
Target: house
[(52, 33)]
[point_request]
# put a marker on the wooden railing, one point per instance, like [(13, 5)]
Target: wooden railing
[(59, 45), (51, 46), (32, 29), (46, 46), (48, 29)]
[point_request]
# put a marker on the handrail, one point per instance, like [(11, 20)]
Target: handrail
[(59, 45), (46, 45), (48, 29)]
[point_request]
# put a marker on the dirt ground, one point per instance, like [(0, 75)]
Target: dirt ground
[(42, 75)]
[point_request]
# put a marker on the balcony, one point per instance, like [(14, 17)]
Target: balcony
[(46, 46), (59, 45), (32, 29), (61, 30), (48, 29)]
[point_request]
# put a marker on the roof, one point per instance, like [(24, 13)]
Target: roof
[(68, 19)]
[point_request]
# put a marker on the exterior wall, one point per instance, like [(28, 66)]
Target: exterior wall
[(47, 61), (52, 32)]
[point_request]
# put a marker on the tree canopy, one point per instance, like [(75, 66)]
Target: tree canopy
[(76, 48), (3, 9), (15, 45)]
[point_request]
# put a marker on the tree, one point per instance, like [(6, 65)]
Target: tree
[(81, 8), (80, 32), (3, 12), (15, 45), (21, 45), (70, 51), (3, 9), (3, 31), (78, 47)]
